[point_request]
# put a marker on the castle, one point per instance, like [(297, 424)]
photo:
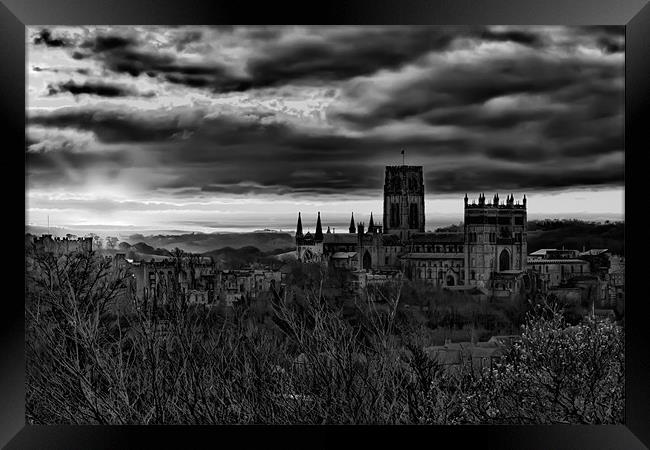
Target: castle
[(489, 254)]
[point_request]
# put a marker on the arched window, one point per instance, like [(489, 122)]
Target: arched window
[(504, 260), (450, 280), (413, 216), (367, 260), (397, 183), (394, 215)]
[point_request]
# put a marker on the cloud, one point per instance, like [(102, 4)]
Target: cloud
[(310, 112), (225, 154), (44, 37), (98, 88), (118, 126), (278, 56)]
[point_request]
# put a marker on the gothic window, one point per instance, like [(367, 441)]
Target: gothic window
[(367, 260), (411, 184), (504, 260), (397, 183), (394, 215), (413, 216)]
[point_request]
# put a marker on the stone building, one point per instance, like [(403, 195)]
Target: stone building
[(493, 239), (59, 246)]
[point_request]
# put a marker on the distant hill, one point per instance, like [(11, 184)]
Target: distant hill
[(234, 257), (576, 234), (264, 241), (146, 249)]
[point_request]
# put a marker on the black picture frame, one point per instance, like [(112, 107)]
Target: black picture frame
[(15, 15)]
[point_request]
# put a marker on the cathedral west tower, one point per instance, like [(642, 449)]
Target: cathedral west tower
[(403, 200)]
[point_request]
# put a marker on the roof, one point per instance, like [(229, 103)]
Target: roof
[(594, 252), (541, 252), (557, 261), (436, 237), (344, 255), (340, 238)]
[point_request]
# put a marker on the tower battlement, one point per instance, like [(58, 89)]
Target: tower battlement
[(494, 203)]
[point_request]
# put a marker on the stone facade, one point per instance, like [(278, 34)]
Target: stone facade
[(59, 246)]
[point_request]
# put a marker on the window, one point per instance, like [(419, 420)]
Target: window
[(504, 260), (394, 215), (413, 216)]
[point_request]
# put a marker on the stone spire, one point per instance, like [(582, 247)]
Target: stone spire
[(299, 227), (371, 224), (353, 229), (318, 236)]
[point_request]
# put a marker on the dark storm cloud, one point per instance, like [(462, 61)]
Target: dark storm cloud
[(506, 180), (467, 86), (44, 37), (98, 88), (339, 55), (124, 55), (115, 126), (227, 154), (520, 120)]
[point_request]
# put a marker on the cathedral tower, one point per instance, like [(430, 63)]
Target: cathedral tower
[(403, 200), (495, 238)]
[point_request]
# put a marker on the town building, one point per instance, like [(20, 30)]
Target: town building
[(199, 281), (46, 243)]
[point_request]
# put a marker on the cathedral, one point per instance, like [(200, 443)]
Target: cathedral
[(489, 254)]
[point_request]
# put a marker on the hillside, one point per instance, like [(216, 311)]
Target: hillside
[(203, 242), (239, 257), (576, 234)]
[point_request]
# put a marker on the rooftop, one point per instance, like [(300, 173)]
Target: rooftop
[(340, 238), (437, 237)]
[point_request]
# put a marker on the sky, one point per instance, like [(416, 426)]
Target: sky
[(228, 128)]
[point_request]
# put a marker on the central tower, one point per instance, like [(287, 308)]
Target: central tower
[(403, 200)]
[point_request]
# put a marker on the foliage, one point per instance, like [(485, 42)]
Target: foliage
[(557, 373), (91, 362)]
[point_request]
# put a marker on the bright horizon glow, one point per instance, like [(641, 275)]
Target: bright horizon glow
[(247, 214)]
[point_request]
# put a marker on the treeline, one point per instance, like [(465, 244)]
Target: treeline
[(576, 234), (89, 361)]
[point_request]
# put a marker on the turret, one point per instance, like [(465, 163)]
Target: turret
[(466, 199), (495, 200), (328, 230), (353, 229), (318, 236), (360, 228), (524, 200)]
